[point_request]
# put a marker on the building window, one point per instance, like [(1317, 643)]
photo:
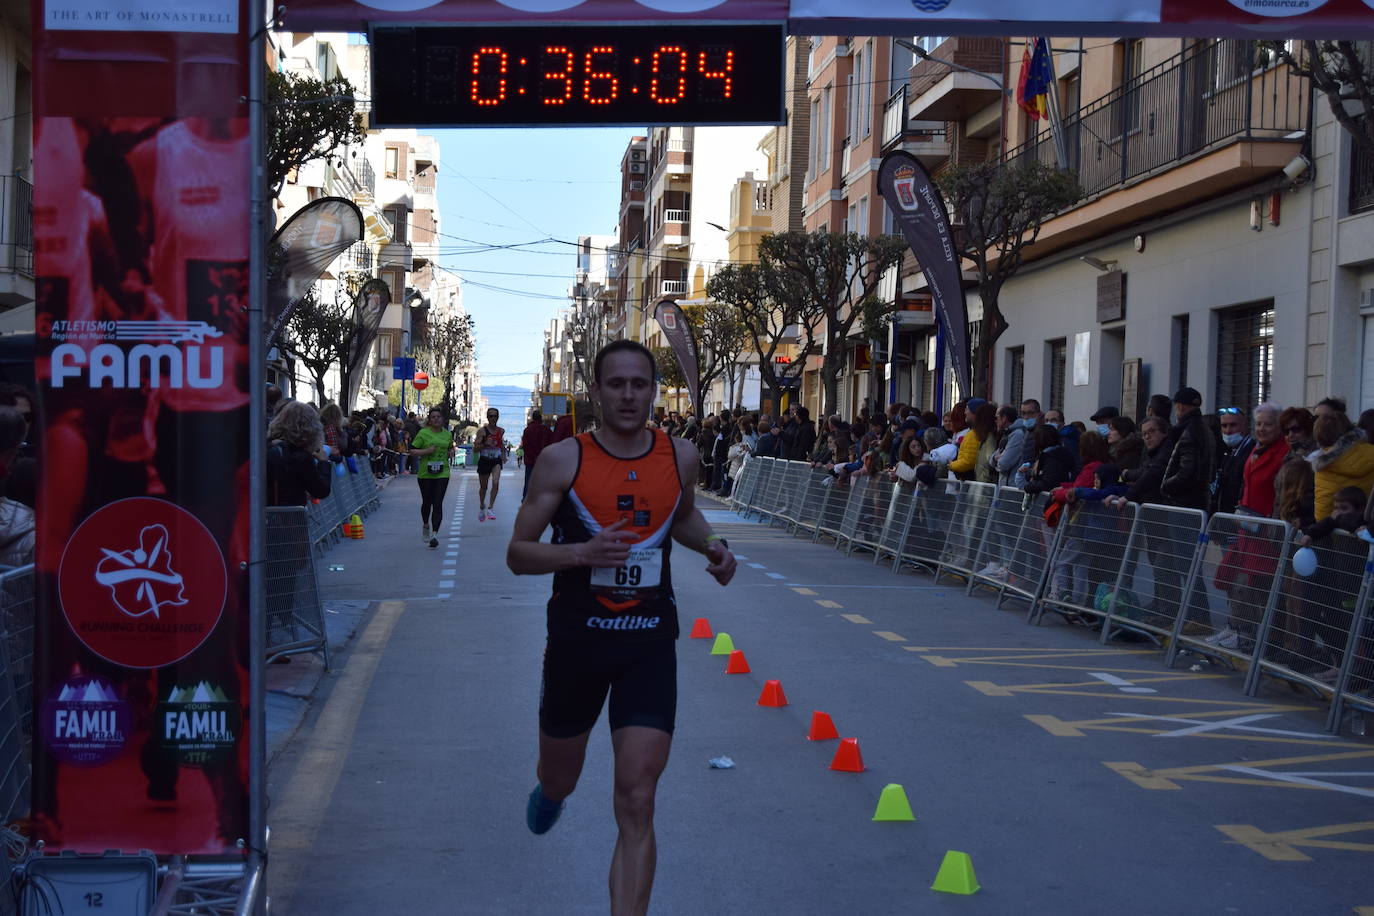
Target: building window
[(1058, 363), (393, 162), (866, 90), (823, 131), (1016, 375), (813, 159), (1245, 355), (1181, 348)]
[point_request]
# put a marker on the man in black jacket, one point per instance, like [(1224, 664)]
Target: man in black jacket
[(1238, 444), (804, 442), (1193, 463)]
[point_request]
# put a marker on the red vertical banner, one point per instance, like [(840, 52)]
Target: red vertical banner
[(141, 223)]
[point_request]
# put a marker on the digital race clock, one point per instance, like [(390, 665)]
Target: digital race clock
[(520, 76)]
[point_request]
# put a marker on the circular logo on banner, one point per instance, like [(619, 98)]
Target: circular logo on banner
[(400, 6), (84, 722), (1278, 7), (142, 583)]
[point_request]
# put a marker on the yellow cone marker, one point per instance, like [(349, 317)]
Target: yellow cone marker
[(956, 875), (892, 805), (723, 645)]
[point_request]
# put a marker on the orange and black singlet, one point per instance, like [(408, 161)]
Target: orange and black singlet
[(634, 602)]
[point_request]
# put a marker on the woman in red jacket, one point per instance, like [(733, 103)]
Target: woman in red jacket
[(1248, 567)]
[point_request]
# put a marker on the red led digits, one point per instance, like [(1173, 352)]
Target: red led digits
[(606, 78), (553, 56), (664, 54), (723, 90), (484, 83)]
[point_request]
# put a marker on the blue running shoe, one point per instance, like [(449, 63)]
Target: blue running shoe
[(541, 814)]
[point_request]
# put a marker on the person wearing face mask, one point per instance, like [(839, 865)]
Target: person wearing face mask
[(1103, 418), (1235, 433)]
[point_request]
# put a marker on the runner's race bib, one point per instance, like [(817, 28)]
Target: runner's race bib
[(643, 569)]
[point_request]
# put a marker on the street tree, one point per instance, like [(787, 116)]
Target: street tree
[(307, 119), (997, 212), (772, 317), (316, 335), (720, 341), (433, 395), (837, 274), (446, 347), (1343, 76), (670, 373)]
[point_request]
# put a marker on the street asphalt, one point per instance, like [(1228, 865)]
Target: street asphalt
[(1078, 778)]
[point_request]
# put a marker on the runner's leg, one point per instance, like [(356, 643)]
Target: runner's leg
[(436, 502), (426, 498), (560, 764), (641, 753), (482, 491)]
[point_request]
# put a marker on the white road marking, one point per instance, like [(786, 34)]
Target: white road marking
[(446, 583), (773, 575), (1237, 723), (1301, 780), (753, 565), (1121, 683)]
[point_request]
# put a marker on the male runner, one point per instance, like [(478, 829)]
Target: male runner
[(617, 500), (491, 453)]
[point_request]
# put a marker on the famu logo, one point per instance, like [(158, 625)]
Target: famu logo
[(84, 722), (198, 723), (164, 354)]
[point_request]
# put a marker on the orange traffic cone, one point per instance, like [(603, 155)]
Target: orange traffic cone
[(822, 728), (357, 526), (737, 664), (847, 757), (772, 694), (701, 629)]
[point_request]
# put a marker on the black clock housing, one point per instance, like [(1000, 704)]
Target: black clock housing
[(577, 76)]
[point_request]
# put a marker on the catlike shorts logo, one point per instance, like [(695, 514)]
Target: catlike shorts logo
[(142, 582)]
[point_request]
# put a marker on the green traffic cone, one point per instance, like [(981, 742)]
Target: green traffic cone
[(892, 805), (956, 875), (723, 645)]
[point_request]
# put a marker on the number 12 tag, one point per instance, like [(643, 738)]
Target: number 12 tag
[(643, 569)]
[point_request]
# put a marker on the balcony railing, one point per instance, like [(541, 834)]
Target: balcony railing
[(1361, 179), (358, 257), (679, 145), (674, 288), (16, 224), (675, 216), (1211, 94), (894, 116)]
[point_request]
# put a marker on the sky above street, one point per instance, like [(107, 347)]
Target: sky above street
[(513, 188)]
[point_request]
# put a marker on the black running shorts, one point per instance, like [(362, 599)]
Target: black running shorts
[(641, 678), (486, 465)]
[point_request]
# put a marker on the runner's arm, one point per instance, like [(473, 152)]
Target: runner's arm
[(549, 480), (691, 529)]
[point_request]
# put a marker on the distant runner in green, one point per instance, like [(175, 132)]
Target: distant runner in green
[(433, 445)]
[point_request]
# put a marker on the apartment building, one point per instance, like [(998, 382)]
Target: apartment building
[(1224, 240), (854, 85)]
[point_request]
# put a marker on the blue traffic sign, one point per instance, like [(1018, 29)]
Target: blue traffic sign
[(403, 367)]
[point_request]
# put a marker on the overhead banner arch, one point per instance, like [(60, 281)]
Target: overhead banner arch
[(1184, 18)]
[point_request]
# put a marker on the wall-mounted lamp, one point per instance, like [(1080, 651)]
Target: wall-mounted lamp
[(1100, 264), (1297, 168)]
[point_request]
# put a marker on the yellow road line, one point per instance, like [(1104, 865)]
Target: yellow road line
[(853, 618), (802, 591), (826, 602), (299, 809), (889, 636)]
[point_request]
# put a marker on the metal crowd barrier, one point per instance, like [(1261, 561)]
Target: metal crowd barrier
[(355, 492), (295, 611), (16, 690), (1223, 588), (748, 482)]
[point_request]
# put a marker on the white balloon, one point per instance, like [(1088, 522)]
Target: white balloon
[(1305, 561)]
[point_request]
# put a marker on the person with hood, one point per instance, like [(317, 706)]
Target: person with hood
[(804, 441), (1054, 465), (1345, 460), (1193, 462), (1017, 447), (1126, 447)]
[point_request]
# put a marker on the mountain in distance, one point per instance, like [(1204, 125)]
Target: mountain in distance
[(506, 398)]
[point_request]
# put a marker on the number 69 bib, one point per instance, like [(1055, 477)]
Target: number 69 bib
[(643, 569)]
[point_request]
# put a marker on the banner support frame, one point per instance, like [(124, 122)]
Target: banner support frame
[(253, 890)]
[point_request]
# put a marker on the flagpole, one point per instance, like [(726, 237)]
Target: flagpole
[(1052, 97)]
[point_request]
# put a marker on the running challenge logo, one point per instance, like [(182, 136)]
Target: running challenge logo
[(142, 583), (85, 722), (164, 354)]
